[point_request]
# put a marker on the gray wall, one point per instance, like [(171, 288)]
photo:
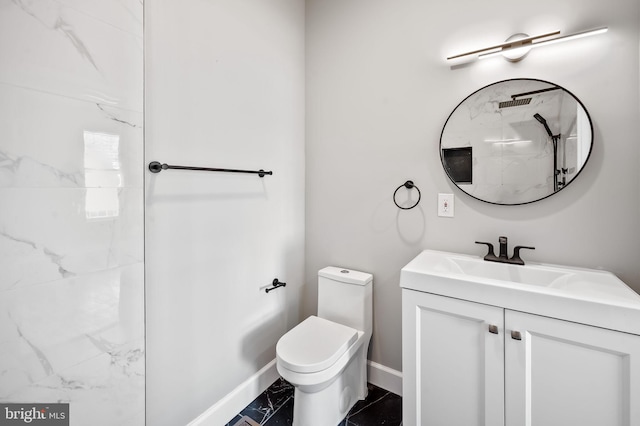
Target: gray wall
[(378, 93)]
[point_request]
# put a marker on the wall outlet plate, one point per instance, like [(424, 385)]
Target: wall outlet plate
[(445, 205)]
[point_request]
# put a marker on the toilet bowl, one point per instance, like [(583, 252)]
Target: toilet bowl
[(325, 356)]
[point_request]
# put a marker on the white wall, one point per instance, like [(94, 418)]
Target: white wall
[(71, 208), (224, 88), (378, 94)]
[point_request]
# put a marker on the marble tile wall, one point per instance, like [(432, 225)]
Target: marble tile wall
[(71, 207)]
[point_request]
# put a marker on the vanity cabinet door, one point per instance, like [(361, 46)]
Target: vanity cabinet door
[(453, 365), (567, 374)]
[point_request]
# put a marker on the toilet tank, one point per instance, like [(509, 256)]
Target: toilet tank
[(346, 297)]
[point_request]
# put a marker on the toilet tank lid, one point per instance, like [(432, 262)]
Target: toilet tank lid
[(345, 275)]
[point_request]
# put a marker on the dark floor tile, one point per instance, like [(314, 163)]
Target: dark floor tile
[(269, 401), (275, 408), (374, 393), (385, 409), (284, 415)]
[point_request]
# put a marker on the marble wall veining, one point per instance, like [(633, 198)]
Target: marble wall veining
[(71, 207)]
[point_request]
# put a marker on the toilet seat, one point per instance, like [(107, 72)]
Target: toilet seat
[(314, 345)]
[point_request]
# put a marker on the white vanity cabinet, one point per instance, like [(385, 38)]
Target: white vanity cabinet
[(452, 366), (467, 363)]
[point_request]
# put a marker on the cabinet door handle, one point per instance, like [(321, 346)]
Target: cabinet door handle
[(493, 329), (515, 335)]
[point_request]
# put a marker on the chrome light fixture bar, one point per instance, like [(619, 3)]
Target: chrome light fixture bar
[(526, 43), (508, 45)]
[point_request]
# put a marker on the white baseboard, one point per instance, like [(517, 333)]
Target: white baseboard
[(384, 377), (226, 409)]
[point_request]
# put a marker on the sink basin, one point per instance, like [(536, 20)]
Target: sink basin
[(583, 295), (478, 268), (466, 267)]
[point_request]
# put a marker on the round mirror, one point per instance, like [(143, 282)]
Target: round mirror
[(516, 141)]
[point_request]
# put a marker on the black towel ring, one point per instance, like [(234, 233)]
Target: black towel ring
[(408, 184)]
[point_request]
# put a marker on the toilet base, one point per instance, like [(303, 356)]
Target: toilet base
[(329, 406)]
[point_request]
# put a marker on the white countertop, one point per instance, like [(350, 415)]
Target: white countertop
[(585, 296)]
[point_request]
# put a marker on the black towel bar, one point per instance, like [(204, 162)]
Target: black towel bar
[(157, 167)]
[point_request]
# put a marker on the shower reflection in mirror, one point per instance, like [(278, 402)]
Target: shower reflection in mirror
[(516, 141)]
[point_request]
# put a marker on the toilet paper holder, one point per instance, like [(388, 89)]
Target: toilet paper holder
[(276, 284)]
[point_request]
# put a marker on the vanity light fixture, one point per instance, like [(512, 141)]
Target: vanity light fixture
[(517, 46)]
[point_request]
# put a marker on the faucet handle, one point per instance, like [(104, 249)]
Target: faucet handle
[(490, 254), (516, 254)]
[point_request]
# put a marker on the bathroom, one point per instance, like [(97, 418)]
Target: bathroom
[(134, 295)]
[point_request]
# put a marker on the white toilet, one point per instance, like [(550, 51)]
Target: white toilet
[(325, 356)]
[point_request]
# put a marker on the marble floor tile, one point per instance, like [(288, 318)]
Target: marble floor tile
[(275, 408), (380, 408), (265, 406)]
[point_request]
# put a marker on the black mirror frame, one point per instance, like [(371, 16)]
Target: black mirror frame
[(442, 159)]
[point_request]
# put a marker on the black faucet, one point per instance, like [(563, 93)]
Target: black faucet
[(503, 257)]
